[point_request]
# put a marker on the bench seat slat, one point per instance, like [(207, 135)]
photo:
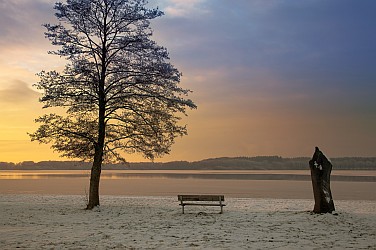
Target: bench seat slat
[(202, 204), (201, 197)]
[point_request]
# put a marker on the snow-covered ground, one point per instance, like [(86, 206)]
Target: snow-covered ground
[(60, 222)]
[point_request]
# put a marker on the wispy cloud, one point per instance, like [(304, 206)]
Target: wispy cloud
[(21, 21), (23, 47), (183, 8), (18, 93)]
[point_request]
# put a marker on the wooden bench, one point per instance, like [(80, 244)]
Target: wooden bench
[(202, 200)]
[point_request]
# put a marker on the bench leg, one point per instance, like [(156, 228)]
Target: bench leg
[(182, 208)]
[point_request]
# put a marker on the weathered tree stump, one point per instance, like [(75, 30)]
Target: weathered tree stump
[(321, 169)]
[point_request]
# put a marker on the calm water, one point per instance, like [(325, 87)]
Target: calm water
[(346, 185)]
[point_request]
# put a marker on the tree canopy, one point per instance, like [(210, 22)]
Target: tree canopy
[(114, 67), (119, 90)]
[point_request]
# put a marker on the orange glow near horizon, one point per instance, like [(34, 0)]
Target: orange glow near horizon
[(268, 88), (226, 127)]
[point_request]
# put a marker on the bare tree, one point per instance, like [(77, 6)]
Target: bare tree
[(118, 90)]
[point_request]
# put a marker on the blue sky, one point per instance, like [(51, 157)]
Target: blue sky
[(269, 77)]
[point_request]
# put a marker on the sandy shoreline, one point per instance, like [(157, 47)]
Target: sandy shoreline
[(59, 222)]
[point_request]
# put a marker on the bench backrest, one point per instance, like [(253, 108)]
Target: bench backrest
[(201, 197)]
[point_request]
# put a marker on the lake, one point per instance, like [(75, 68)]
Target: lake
[(288, 184)]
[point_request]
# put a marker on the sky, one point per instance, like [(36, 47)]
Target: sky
[(269, 77)]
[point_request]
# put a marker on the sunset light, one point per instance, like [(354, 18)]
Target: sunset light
[(269, 78)]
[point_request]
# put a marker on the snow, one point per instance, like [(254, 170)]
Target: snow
[(327, 196), (60, 222)]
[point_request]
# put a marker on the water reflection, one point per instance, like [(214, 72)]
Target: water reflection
[(296, 175), (35, 174)]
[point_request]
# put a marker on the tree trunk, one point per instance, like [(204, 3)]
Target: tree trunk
[(96, 172), (97, 163), (99, 148), (320, 174), (94, 185)]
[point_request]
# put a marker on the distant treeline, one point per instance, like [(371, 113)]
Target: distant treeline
[(224, 163)]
